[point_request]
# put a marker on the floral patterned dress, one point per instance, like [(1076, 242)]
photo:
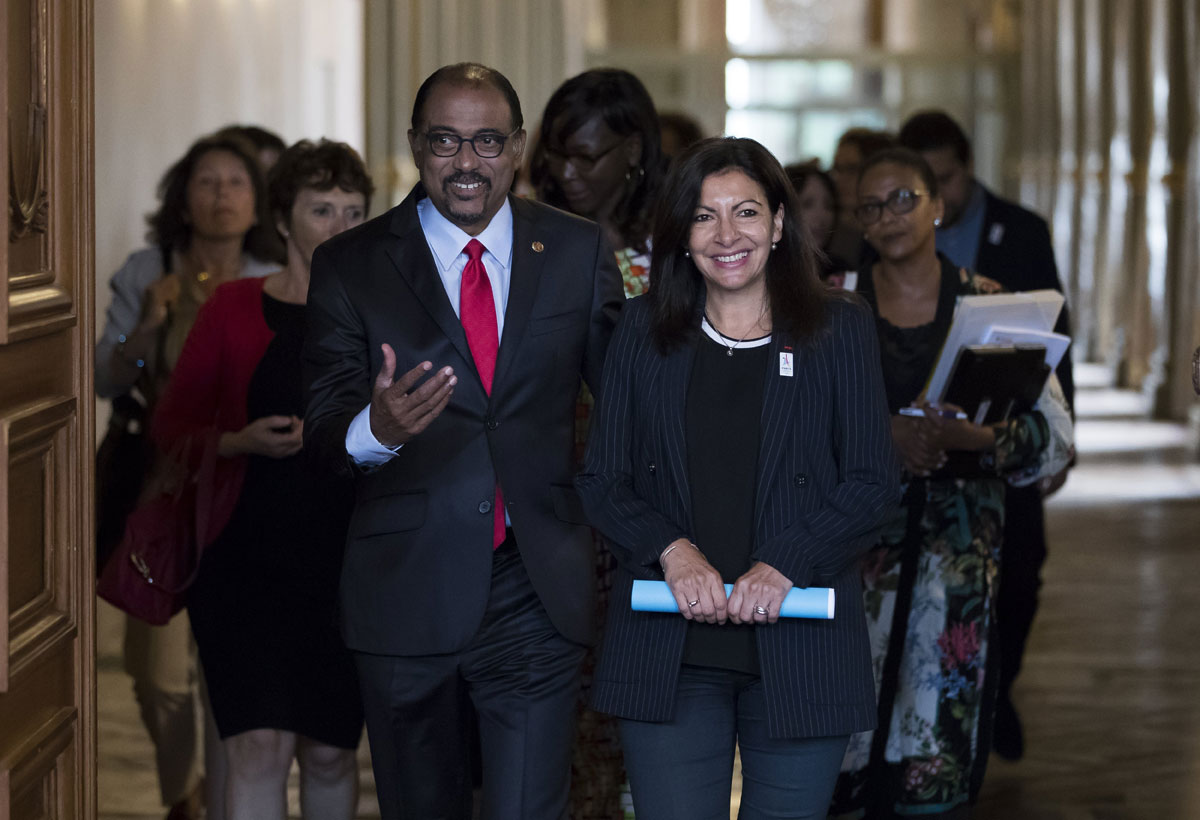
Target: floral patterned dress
[(597, 768), (934, 573)]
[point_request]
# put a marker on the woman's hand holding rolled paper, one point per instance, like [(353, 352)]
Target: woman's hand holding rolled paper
[(758, 595), (697, 587)]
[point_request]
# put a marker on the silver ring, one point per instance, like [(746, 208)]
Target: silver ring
[(760, 610), (693, 603)]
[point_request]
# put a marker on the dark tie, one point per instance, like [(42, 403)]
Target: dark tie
[(478, 312)]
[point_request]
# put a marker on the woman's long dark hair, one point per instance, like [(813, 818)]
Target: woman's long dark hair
[(620, 100), (795, 293), (170, 230)]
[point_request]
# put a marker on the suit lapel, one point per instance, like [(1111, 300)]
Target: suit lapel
[(779, 401), (987, 250), (671, 409), (527, 266), (414, 262)]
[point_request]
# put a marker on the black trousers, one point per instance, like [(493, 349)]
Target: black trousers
[(522, 678), (1022, 555)]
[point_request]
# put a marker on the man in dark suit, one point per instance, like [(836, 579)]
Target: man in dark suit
[(446, 343), (1005, 242)]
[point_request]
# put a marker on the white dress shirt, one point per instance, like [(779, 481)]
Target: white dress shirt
[(446, 241)]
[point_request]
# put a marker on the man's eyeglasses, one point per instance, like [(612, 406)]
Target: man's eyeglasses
[(582, 162), (487, 145), (899, 201)]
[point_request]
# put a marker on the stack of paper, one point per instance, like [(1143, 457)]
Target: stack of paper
[(1003, 318), (1055, 343)]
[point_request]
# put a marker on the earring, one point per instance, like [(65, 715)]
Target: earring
[(774, 246), (687, 254), (937, 223)]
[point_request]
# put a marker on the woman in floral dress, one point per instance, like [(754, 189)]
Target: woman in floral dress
[(930, 583)]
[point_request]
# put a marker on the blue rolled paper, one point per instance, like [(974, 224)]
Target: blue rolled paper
[(810, 602)]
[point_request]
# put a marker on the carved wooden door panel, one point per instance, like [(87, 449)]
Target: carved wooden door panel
[(47, 666)]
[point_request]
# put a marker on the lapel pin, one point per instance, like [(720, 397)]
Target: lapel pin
[(538, 247), (786, 364)]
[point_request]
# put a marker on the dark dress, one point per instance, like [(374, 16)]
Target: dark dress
[(264, 606)]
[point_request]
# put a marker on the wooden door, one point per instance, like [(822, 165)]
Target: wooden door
[(47, 610)]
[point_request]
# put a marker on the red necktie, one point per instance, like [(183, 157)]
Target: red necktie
[(477, 310)]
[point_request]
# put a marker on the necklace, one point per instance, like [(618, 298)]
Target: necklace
[(725, 340)]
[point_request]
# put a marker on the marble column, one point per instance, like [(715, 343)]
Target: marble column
[(1112, 269), (1069, 83), (1177, 187), (1146, 348), (1037, 122), (1091, 149)]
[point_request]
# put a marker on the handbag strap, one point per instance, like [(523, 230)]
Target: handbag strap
[(206, 485), (194, 490), (878, 791), (153, 377)]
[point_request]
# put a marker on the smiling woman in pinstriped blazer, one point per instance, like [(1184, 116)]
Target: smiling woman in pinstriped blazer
[(741, 437)]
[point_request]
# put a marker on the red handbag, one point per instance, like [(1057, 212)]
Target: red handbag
[(159, 554)]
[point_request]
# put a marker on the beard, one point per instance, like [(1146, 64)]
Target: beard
[(464, 217)]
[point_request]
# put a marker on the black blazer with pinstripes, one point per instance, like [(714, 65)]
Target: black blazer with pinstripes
[(827, 480)]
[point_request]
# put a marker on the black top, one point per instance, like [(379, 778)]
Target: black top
[(722, 426), (908, 354), (312, 508), (264, 607)]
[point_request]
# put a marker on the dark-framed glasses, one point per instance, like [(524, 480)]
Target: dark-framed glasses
[(487, 145), (899, 201), (582, 162)]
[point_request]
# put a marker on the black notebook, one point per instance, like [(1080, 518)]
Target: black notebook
[(992, 383)]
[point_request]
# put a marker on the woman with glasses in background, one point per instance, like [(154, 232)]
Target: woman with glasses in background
[(599, 155), (930, 583)]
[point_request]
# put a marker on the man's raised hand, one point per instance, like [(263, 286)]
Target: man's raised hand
[(398, 414)]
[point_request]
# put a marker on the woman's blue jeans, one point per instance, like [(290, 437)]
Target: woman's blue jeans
[(682, 769)]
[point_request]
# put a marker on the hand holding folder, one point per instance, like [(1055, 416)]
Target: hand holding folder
[(992, 383)]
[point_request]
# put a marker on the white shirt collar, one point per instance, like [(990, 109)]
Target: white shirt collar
[(447, 240)]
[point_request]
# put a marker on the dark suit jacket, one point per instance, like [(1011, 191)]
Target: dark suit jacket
[(1015, 250), (418, 561), (827, 480)]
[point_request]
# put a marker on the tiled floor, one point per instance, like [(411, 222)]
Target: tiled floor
[(1111, 690)]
